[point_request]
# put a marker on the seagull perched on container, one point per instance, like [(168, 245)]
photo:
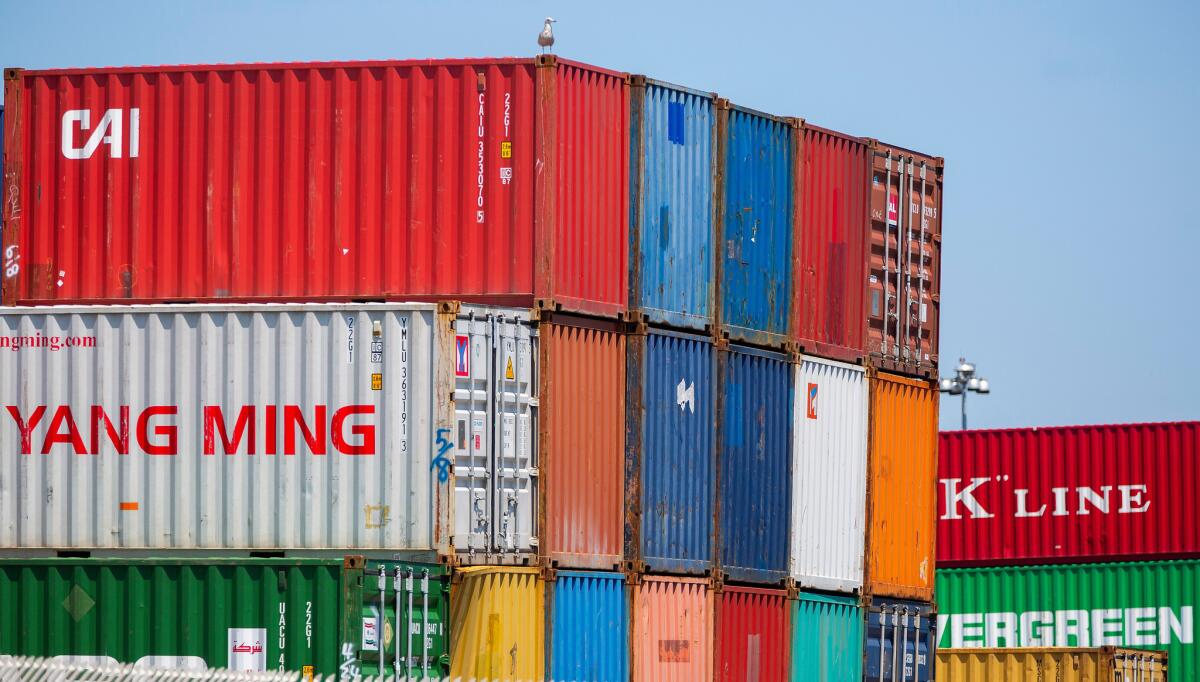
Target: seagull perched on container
[(546, 37)]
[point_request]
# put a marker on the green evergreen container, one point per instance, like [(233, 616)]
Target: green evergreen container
[(827, 639), (1147, 605), (242, 613)]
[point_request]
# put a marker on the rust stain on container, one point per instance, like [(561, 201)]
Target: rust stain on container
[(901, 487), (583, 442)]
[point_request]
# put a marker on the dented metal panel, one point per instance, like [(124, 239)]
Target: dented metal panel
[(829, 476), (754, 464), (431, 179), (753, 637), (671, 633), (587, 615), (497, 624), (495, 446), (827, 638), (225, 427), (901, 487), (831, 242), (671, 460), (755, 257), (673, 155), (900, 643), (905, 260), (583, 440)]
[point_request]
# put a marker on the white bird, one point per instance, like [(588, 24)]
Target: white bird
[(546, 37)]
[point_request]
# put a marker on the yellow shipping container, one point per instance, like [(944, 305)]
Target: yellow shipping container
[(1105, 664), (496, 623)]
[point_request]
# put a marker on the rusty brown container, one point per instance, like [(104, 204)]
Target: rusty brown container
[(582, 442), (905, 276), (901, 487)]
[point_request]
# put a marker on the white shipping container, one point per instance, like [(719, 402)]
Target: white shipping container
[(306, 426), (829, 476)]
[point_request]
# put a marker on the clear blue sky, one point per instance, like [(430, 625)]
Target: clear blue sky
[(1072, 239)]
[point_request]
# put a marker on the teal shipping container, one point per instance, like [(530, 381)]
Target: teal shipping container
[(672, 203), (587, 627), (757, 215), (827, 638)]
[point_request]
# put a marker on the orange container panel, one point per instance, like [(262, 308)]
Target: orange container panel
[(583, 442), (901, 487), (672, 632)]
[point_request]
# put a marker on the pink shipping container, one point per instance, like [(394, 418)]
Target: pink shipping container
[(671, 634), (492, 180), (753, 635), (1069, 494)]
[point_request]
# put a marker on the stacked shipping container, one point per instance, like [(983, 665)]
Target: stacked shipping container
[(687, 279), (1078, 536)]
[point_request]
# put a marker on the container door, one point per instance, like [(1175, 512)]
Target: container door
[(495, 467), (514, 477), (400, 602), (900, 642)]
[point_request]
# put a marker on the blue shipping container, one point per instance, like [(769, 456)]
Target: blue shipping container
[(756, 226), (587, 619), (754, 464), (671, 451), (672, 148), (827, 638), (895, 626)]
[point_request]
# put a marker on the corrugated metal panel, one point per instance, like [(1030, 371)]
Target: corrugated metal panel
[(583, 438), (401, 601), (754, 464), (829, 475), (673, 153), (494, 443), (496, 624), (582, 188), (1076, 493), (827, 639), (1147, 605), (900, 641), (396, 179), (831, 244), (588, 619), (672, 630), (210, 403), (671, 462), (902, 466), (182, 613), (752, 635), (906, 260), (755, 257), (1059, 664)]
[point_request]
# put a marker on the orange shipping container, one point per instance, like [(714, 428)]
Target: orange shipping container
[(901, 487), (582, 442), (672, 632)]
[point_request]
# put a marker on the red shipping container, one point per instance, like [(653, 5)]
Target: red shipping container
[(830, 255), (495, 180), (753, 635), (1069, 494)]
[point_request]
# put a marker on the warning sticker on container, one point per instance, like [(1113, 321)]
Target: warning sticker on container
[(247, 650), (462, 355), (674, 651), (508, 369)]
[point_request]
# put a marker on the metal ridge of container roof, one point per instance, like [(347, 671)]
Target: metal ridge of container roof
[(649, 80), (1068, 427), (789, 120), (211, 307), (10, 72), (876, 142)]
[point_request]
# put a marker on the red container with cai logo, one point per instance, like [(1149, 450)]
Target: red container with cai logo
[(492, 180), (1069, 494)]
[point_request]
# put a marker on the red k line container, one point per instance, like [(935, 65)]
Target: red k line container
[(753, 635), (583, 442), (830, 256), (1069, 494), (490, 180), (905, 260)]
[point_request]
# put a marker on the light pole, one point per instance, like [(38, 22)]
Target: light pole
[(963, 382)]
